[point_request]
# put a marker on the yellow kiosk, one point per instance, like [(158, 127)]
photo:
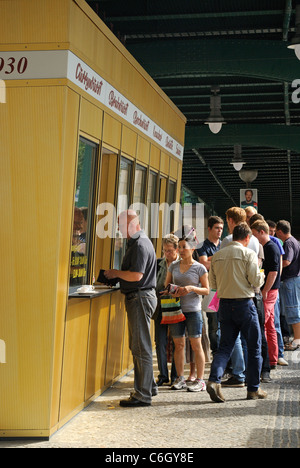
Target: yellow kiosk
[(83, 129)]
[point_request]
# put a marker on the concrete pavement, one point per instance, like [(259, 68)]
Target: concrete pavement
[(187, 420)]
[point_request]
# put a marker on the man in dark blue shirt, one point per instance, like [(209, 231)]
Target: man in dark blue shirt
[(269, 290), (290, 286), (205, 251), (212, 244)]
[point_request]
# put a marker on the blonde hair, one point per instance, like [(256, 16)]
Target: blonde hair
[(250, 209), (171, 239), (238, 215)]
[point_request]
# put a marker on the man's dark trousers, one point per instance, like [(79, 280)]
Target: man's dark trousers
[(238, 315), (140, 307)]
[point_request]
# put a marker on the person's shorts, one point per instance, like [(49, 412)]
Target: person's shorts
[(290, 300), (193, 324)]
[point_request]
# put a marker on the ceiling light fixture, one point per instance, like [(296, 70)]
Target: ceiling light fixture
[(295, 42), (237, 160), (215, 119), (248, 176)]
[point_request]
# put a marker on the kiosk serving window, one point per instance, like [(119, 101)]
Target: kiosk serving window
[(124, 196), (83, 213), (139, 192), (139, 184), (151, 200), (171, 200)]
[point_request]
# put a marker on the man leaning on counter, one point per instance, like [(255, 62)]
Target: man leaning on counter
[(138, 280)]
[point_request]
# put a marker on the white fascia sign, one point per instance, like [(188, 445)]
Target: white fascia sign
[(58, 64)]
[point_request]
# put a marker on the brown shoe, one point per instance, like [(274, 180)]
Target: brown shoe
[(259, 395), (214, 391)]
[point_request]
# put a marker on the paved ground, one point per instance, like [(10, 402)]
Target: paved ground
[(187, 420)]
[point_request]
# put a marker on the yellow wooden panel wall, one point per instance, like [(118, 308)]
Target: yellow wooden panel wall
[(129, 141), (173, 171), (112, 131), (143, 150), (69, 155), (155, 157), (30, 204), (34, 21), (115, 337), (90, 119), (97, 351), (164, 163), (75, 357)]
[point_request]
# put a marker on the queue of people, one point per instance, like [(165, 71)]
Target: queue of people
[(248, 285)]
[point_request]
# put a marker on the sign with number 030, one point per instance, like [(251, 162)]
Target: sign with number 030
[(11, 65)]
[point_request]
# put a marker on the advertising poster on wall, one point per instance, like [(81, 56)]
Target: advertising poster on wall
[(248, 197)]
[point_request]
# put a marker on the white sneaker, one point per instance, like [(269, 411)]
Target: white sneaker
[(197, 386), (179, 384), (282, 362)]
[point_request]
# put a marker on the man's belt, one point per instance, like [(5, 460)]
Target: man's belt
[(236, 299), (137, 290)]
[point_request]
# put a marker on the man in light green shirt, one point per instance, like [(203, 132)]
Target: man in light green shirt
[(235, 269), (234, 272)]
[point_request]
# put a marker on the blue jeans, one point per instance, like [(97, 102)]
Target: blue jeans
[(238, 360), (278, 327), (238, 316), (140, 306), (290, 299)]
